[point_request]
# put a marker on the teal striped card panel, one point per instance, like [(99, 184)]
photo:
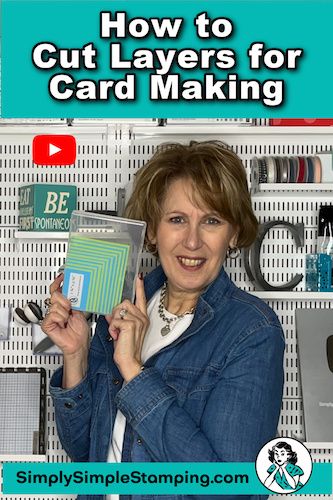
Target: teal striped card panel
[(95, 272)]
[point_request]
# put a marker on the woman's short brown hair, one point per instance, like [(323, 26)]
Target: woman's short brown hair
[(218, 179)]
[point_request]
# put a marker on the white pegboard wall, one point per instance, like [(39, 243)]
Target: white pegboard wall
[(107, 159)]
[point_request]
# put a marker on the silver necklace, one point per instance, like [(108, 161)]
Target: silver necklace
[(161, 308)]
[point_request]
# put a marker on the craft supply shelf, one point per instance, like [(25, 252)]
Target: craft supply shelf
[(34, 235), (226, 130), (291, 295)]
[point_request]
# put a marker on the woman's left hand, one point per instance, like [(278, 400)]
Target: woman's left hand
[(128, 325)]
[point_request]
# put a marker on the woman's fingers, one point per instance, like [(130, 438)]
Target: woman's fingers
[(121, 325), (126, 308), (56, 283), (54, 318), (127, 317), (140, 296), (58, 312), (59, 309), (114, 334), (122, 316), (58, 298)]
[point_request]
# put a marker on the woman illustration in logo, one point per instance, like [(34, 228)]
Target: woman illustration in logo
[(283, 472)]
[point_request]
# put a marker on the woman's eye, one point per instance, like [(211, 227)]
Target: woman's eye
[(213, 220), (177, 219)]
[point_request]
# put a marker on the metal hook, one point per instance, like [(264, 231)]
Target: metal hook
[(322, 246), (330, 241)]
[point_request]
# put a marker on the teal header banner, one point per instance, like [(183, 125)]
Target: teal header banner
[(184, 58), (143, 478)]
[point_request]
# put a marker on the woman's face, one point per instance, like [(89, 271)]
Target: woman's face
[(280, 456), (192, 242)]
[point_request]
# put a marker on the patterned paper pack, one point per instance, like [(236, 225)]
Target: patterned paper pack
[(94, 273)]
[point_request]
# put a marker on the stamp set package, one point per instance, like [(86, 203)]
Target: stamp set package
[(102, 261)]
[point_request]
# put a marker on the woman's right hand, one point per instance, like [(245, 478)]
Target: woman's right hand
[(68, 329)]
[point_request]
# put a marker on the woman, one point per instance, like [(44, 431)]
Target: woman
[(283, 474), (193, 371)]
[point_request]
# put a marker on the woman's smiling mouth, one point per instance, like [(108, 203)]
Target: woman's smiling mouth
[(191, 263)]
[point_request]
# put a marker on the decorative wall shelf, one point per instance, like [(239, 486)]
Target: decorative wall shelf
[(22, 458), (295, 187), (290, 295), (319, 446), (297, 195), (231, 130), (36, 235)]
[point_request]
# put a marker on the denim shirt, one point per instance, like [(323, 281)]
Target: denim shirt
[(212, 395)]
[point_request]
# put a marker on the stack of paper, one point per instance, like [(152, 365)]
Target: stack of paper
[(95, 273)]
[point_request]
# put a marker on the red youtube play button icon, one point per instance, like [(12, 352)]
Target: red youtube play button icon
[(54, 150)]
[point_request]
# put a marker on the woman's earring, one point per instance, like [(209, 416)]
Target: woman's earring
[(233, 253)]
